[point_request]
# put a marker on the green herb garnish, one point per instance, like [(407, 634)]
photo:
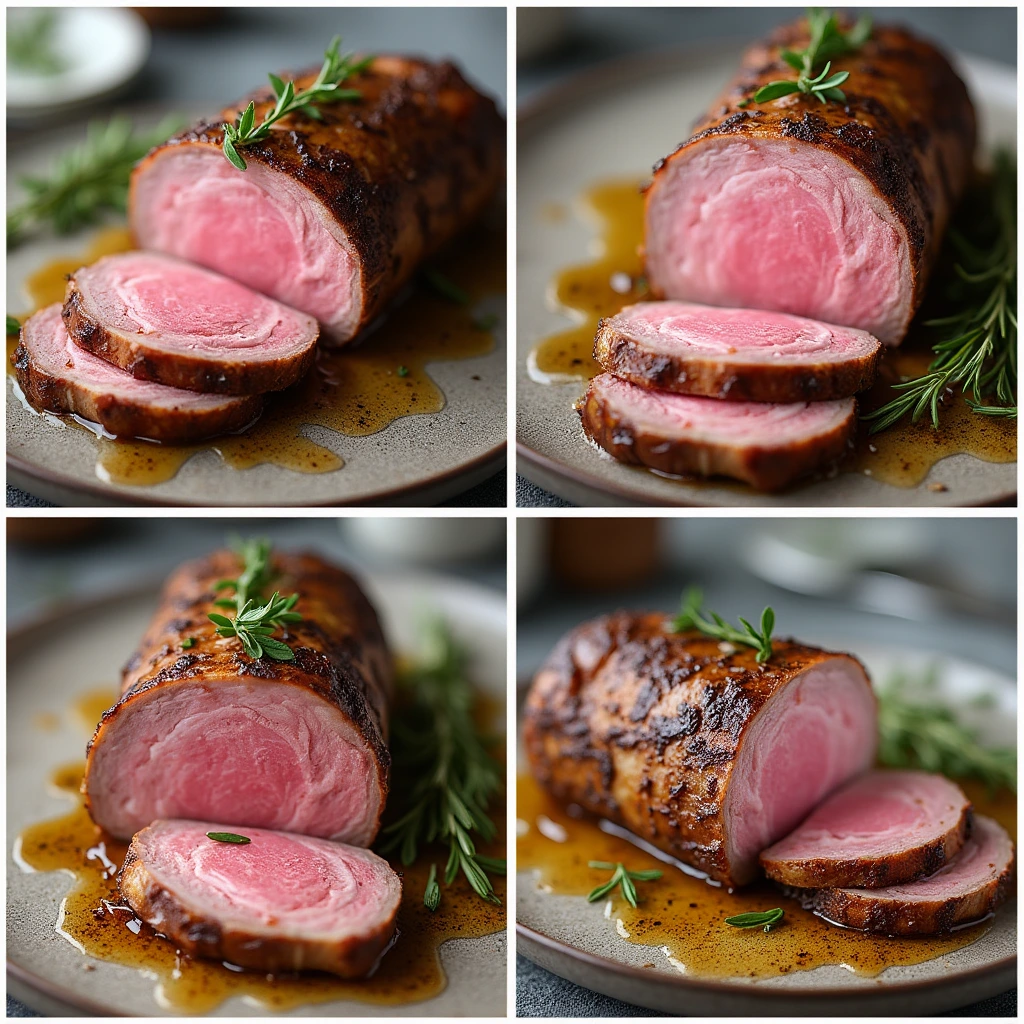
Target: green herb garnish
[(325, 89), (228, 837), (30, 42), (690, 617), (767, 919), (620, 876), (452, 776), (255, 622), (827, 42), (88, 179), (979, 352), (403, 371), (13, 327), (188, 642), (432, 893), (443, 286)]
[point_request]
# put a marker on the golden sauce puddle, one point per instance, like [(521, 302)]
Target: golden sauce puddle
[(356, 391), (901, 456), (682, 917), (94, 918)]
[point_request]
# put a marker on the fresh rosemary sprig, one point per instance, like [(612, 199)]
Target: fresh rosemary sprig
[(30, 42), (690, 617), (827, 42), (228, 837), (254, 623), (925, 733), (980, 352), (620, 876), (452, 777), (767, 919), (325, 89), (88, 179)]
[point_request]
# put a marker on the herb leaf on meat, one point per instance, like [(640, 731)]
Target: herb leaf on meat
[(451, 774), (326, 88), (228, 837), (13, 326), (621, 876), (690, 617), (767, 919)]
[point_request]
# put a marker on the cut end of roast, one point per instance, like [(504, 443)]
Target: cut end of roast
[(774, 224), (258, 226), (165, 320), (882, 829), (967, 889), (813, 734), (767, 445), (280, 902), (244, 753), (58, 376), (735, 354)]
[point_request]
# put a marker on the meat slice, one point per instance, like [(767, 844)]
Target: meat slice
[(741, 355), (834, 210), (882, 829), (167, 321), (331, 216), (280, 902), (691, 744), (203, 731), (968, 888), (58, 376), (767, 445)]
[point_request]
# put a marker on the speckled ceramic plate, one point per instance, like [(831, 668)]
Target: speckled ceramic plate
[(572, 938), (53, 661), (416, 460), (612, 123)]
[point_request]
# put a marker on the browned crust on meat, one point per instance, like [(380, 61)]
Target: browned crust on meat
[(125, 417), (177, 369), (907, 125), (340, 650), (904, 865), (403, 169), (202, 935), (643, 726), (631, 359), (764, 467)]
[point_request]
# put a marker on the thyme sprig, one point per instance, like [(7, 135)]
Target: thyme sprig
[(435, 743), (979, 352), (326, 88), (827, 42), (621, 876), (766, 919), (690, 617)]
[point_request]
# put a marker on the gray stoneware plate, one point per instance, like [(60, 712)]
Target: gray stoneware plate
[(78, 648), (417, 460), (571, 938), (613, 122)]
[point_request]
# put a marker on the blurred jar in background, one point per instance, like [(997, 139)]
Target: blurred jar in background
[(604, 554), (426, 541), (50, 530)]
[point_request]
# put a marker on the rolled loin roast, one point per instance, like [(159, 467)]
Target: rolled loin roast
[(280, 902), (204, 732), (333, 216), (175, 323), (691, 744), (833, 211)]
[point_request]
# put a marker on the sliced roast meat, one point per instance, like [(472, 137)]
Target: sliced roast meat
[(203, 731), (58, 376), (174, 323), (691, 744), (767, 445), (742, 355), (280, 902), (883, 829), (331, 216), (829, 210), (969, 887)]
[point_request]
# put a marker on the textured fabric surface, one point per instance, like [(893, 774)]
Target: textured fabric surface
[(529, 495)]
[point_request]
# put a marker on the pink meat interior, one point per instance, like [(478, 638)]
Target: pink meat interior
[(766, 424), (283, 883), (143, 293), (244, 753), (878, 814), (773, 224), (257, 226), (748, 335), (813, 735)]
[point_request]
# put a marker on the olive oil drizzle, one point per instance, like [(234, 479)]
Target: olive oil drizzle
[(901, 456)]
